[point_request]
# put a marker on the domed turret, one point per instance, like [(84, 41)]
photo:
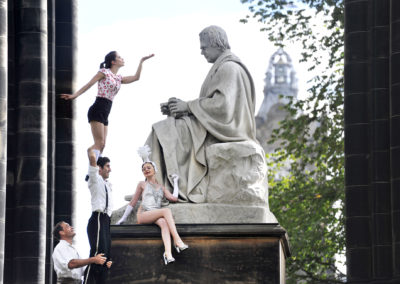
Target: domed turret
[(280, 80)]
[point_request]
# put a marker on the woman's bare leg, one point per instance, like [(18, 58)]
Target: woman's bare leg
[(165, 235), (105, 138), (149, 217), (98, 132)]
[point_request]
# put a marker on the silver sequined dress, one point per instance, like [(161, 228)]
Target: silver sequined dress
[(152, 197)]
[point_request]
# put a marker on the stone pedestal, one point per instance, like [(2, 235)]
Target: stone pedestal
[(218, 253), (207, 213)]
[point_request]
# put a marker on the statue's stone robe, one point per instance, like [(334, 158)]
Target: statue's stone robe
[(224, 112)]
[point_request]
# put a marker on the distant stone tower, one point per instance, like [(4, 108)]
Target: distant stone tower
[(280, 80)]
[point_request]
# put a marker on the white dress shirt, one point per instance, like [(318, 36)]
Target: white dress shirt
[(97, 186), (62, 255)]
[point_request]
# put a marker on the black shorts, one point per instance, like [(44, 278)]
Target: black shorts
[(100, 110)]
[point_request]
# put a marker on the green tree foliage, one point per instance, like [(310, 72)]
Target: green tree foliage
[(308, 200)]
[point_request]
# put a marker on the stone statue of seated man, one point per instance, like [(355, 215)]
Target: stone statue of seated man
[(210, 142)]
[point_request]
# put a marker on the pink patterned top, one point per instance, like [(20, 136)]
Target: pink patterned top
[(110, 85)]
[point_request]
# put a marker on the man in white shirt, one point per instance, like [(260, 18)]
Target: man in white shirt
[(68, 265), (98, 228)]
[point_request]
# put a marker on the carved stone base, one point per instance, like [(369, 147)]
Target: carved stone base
[(191, 213), (218, 253)]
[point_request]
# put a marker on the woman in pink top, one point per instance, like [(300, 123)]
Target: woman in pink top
[(109, 83)]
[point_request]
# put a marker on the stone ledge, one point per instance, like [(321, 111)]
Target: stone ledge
[(218, 253), (209, 213), (206, 230)]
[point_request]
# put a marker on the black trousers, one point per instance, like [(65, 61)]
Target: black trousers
[(68, 281), (98, 230)]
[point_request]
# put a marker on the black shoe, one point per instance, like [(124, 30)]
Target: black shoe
[(86, 177)]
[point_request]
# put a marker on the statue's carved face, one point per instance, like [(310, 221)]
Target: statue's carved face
[(209, 52)]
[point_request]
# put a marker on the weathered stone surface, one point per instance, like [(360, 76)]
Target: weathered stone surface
[(237, 190), (223, 253), (190, 213), (237, 173)]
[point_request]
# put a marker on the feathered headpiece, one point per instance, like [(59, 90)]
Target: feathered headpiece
[(144, 152)]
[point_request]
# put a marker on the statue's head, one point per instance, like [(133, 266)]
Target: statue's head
[(216, 36), (213, 42)]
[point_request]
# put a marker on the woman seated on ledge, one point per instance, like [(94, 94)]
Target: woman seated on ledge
[(150, 210)]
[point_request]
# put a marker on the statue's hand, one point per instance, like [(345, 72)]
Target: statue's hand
[(165, 109), (178, 107)]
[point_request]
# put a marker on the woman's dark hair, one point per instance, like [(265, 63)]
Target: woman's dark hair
[(108, 59)]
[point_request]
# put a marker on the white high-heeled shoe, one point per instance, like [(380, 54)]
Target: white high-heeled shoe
[(167, 260), (181, 248)]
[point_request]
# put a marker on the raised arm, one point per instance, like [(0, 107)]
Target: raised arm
[(131, 79), (174, 196), (92, 157), (95, 79), (98, 259)]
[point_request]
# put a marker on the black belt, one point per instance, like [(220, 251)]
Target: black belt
[(98, 211)]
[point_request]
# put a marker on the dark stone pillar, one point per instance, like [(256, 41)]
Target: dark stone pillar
[(65, 73), (50, 138), (3, 127), (30, 200), (11, 148), (395, 129), (359, 257), (378, 93), (31, 164), (372, 159)]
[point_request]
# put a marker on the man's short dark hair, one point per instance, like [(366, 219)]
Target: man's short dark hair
[(57, 229), (102, 161)]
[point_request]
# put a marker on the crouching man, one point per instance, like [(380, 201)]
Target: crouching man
[(68, 265)]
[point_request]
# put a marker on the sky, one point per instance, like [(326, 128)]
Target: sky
[(170, 30)]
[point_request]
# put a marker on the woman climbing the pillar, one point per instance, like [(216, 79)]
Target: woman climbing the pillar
[(109, 83), (150, 211)]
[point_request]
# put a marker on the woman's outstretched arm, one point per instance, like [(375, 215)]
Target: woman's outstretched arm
[(131, 79), (86, 87)]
